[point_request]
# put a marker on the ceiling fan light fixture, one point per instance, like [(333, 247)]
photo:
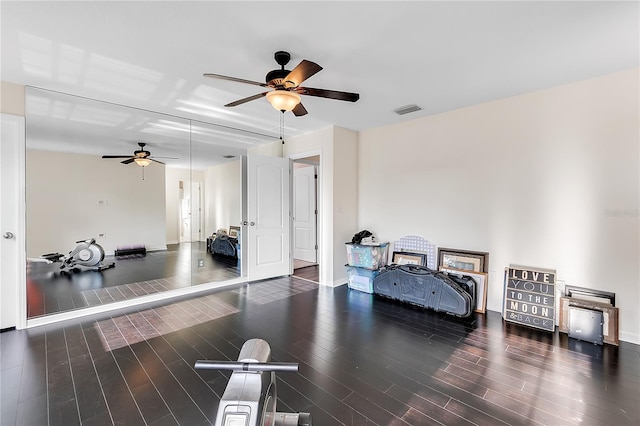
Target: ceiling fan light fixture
[(283, 100), (142, 162)]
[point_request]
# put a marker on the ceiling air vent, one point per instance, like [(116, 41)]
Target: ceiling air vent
[(407, 109)]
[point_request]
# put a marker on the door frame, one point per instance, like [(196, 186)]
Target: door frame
[(320, 217), (314, 167)]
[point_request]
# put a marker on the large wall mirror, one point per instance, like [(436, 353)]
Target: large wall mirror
[(151, 209)]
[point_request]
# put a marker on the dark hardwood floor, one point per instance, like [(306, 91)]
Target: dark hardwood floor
[(311, 273), (362, 361)]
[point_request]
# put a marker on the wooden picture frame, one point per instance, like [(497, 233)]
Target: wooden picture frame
[(610, 330), (409, 258), (481, 279), (584, 293), (474, 261)]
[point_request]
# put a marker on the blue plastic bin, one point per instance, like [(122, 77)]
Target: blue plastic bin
[(361, 279)]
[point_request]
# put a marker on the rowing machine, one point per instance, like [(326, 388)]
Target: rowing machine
[(87, 255), (250, 396)]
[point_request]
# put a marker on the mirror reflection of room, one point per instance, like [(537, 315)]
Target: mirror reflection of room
[(122, 220)]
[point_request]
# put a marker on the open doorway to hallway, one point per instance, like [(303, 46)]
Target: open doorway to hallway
[(305, 218), (189, 206)]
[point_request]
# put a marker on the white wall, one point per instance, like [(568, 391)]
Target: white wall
[(548, 179), (73, 197), (223, 198), (172, 206)]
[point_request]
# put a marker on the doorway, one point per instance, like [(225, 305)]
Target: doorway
[(305, 218), (189, 211)]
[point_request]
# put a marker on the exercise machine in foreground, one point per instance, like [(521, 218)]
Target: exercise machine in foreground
[(250, 396)]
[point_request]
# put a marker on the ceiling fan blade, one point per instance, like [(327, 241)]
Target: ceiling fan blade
[(331, 94), (250, 98), (116, 156), (301, 72), (299, 110), (237, 80), (149, 158), (166, 158), (129, 161)]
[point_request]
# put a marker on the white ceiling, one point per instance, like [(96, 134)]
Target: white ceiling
[(438, 55)]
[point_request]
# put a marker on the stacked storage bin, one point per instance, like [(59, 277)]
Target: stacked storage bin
[(364, 263)]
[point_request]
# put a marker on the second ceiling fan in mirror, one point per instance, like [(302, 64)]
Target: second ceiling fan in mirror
[(141, 157)]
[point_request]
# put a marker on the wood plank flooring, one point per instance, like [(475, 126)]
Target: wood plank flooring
[(311, 273), (362, 361)]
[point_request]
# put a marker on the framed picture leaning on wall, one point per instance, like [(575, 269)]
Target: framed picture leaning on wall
[(409, 258), (234, 231), (475, 261)]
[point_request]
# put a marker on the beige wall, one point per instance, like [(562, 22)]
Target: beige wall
[(84, 196), (273, 149), (223, 206), (548, 179), (345, 195), (11, 98)]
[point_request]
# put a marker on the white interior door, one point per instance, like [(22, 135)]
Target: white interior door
[(267, 221), (196, 229), (304, 213), (12, 243), (184, 206)]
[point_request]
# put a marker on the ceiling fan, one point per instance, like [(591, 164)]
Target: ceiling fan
[(286, 85), (141, 157)]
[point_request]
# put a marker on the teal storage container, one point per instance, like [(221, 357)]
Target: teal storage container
[(361, 279), (367, 256)]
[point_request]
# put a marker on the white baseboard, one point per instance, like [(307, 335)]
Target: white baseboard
[(335, 283), (629, 337)]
